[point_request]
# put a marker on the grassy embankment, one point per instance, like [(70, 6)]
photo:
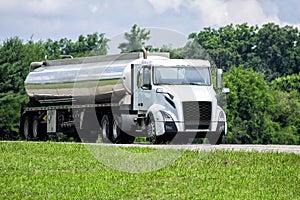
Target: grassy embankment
[(69, 171)]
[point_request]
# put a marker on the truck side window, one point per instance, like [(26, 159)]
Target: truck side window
[(140, 79), (146, 78)]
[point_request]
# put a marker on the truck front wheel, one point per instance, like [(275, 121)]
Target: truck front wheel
[(151, 132), (215, 138)]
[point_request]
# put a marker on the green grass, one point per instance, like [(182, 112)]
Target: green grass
[(69, 171)]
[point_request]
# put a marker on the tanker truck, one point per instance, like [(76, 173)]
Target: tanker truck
[(120, 97)]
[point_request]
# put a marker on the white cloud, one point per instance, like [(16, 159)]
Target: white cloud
[(36, 7), (163, 5), (222, 12), (69, 18), (93, 8)]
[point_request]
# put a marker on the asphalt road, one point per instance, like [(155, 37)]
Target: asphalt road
[(205, 147)]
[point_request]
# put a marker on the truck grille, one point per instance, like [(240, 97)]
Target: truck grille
[(197, 115)]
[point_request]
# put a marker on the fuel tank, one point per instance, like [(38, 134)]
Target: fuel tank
[(68, 80)]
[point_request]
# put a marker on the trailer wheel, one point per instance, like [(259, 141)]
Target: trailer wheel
[(106, 129), (27, 127), (35, 127), (129, 139), (38, 131), (117, 133)]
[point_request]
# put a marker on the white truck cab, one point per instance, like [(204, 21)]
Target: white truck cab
[(176, 96)]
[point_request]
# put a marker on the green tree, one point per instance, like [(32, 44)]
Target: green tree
[(90, 45), (278, 47), (248, 108), (271, 49), (287, 111), (136, 38), (228, 46), (10, 114), (14, 64), (287, 83)]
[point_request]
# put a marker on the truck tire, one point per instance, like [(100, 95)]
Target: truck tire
[(38, 130), (151, 129), (27, 127), (90, 128), (151, 132), (128, 139), (215, 139), (106, 129), (180, 139), (118, 136), (117, 133)]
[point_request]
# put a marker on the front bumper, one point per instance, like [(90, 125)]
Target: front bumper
[(175, 127)]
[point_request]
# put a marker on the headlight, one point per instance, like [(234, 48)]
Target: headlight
[(222, 116)]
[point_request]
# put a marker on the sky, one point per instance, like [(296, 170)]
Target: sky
[(56, 19)]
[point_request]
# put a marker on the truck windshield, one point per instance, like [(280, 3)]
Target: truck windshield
[(181, 75)]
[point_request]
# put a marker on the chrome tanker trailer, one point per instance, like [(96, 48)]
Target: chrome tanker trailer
[(123, 96)]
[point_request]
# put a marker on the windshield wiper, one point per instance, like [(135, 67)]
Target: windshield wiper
[(163, 83), (193, 83)]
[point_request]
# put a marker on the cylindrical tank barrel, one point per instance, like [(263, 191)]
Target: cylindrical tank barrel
[(64, 81)]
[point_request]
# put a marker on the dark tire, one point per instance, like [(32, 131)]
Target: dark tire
[(118, 136), (219, 141), (215, 138), (106, 129), (27, 127), (117, 133), (181, 139), (128, 139), (38, 129), (73, 136), (90, 131), (151, 132), (89, 136)]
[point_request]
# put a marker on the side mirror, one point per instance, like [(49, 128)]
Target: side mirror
[(225, 90), (219, 78)]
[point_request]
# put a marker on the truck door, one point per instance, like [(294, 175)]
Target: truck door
[(142, 93)]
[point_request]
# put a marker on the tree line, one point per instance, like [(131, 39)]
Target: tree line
[(261, 64)]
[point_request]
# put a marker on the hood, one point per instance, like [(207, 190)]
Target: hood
[(190, 92)]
